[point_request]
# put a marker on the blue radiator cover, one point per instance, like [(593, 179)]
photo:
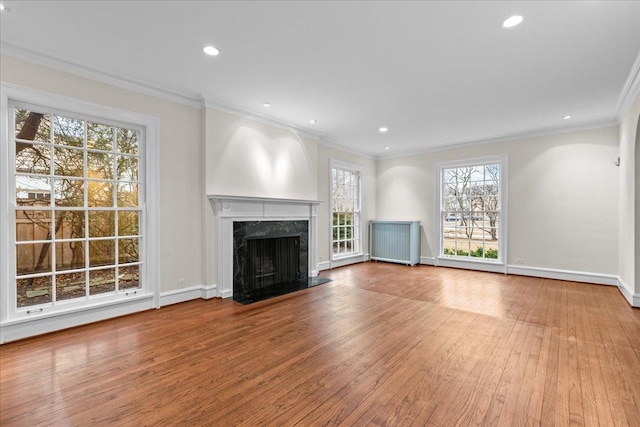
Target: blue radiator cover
[(395, 241)]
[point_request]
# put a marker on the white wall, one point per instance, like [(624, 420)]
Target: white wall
[(181, 184), (563, 198), (246, 158), (629, 266)]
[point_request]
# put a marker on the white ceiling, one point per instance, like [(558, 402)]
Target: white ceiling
[(435, 73)]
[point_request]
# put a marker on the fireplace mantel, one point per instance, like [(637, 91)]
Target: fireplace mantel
[(228, 209), (224, 198)]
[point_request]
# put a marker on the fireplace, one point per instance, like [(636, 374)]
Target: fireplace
[(269, 259), (240, 220)]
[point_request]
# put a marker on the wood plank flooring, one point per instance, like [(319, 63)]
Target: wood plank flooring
[(380, 345)]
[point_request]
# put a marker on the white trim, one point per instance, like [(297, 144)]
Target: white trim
[(348, 260), (187, 294), (244, 113), (324, 265), (516, 136), (224, 198), (190, 100), (208, 292), (225, 107), (499, 265), (470, 264), (151, 208), (110, 78), (569, 275), (628, 93), (427, 260), (177, 296), (4, 208), (24, 328), (323, 140), (627, 293), (630, 90)]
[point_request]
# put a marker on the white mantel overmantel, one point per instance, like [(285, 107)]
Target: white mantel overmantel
[(229, 209)]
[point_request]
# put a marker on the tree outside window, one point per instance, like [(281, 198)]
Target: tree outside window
[(77, 215), (470, 209)]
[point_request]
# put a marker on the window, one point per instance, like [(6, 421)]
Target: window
[(345, 207), (470, 210), (77, 208), (76, 226)]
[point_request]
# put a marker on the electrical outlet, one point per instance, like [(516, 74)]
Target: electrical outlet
[(181, 282), (520, 261)]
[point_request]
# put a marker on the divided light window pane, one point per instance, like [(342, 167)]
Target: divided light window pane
[(77, 214)]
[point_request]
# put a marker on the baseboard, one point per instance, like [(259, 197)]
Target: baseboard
[(208, 292), (550, 273), (180, 295), (427, 260), (488, 267), (349, 260), (632, 299), (186, 294), (324, 265), (572, 276)]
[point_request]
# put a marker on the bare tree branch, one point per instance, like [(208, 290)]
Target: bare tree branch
[(28, 131)]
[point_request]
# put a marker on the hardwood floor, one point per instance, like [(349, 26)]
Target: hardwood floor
[(380, 345)]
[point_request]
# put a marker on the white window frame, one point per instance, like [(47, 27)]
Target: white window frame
[(498, 265), (19, 323), (355, 257)]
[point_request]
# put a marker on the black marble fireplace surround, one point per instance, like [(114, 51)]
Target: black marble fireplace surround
[(264, 259)]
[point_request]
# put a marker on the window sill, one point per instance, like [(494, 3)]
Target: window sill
[(45, 322)]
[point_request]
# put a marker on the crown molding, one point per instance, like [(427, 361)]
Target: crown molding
[(342, 147), (244, 113), (229, 108), (596, 124), (124, 82), (630, 91)]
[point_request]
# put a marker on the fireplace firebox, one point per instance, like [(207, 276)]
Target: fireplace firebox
[(270, 259)]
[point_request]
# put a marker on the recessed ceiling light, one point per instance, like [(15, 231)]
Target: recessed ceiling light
[(386, 148), (313, 121), (210, 50), (512, 21), (567, 117), (266, 104), (383, 129), (4, 8)]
